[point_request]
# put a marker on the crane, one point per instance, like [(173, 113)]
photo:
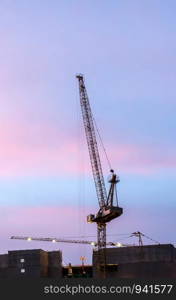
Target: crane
[(61, 240), (108, 210)]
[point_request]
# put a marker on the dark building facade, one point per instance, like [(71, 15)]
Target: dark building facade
[(150, 261), (31, 263), (3, 265), (54, 264)]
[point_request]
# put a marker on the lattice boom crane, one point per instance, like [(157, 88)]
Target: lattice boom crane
[(108, 210)]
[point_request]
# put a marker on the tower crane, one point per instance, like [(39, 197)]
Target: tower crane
[(108, 210)]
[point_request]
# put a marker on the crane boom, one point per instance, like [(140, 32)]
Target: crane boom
[(59, 240), (92, 143), (54, 240)]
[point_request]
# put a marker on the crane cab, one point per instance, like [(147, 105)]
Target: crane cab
[(105, 215)]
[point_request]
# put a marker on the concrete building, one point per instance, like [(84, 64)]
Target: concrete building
[(54, 264), (31, 263), (150, 261), (3, 265)]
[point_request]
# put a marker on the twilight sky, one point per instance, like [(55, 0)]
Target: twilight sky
[(126, 50)]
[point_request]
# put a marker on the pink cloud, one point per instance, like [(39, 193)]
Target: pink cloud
[(30, 150), (56, 220), (143, 159)]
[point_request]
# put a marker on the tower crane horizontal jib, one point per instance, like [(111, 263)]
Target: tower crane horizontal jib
[(61, 240)]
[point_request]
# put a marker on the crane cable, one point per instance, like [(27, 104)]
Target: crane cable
[(149, 238), (101, 142)]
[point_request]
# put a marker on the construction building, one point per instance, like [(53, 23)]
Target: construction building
[(149, 261), (31, 263)]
